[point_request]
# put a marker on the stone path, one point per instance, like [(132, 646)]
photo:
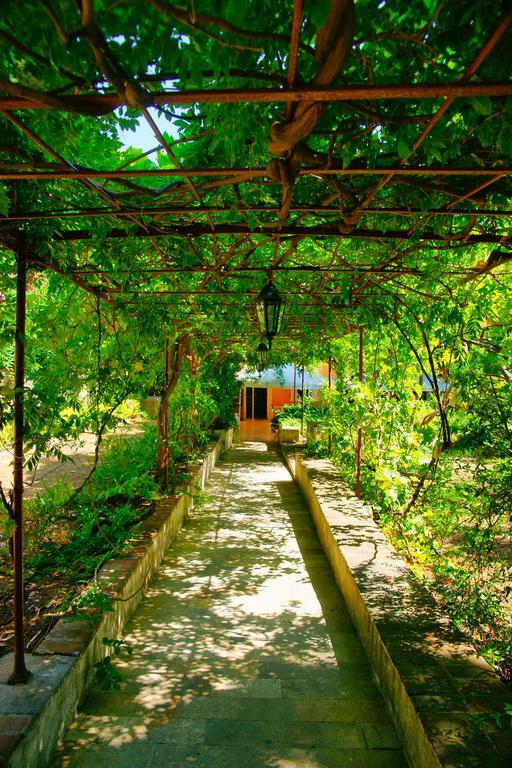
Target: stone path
[(243, 653)]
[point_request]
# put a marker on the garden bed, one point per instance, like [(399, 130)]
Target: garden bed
[(68, 538), (35, 716), (448, 705)]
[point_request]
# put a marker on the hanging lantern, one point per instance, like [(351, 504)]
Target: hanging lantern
[(268, 309), (262, 352)]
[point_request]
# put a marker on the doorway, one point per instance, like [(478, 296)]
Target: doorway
[(260, 403), (256, 403)]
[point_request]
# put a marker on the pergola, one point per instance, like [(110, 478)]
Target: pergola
[(336, 222)]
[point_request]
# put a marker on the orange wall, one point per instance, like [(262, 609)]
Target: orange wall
[(282, 396), (323, 370)]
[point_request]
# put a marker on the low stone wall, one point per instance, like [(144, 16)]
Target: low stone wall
[(34, 716), (289, 433), (436, 686)]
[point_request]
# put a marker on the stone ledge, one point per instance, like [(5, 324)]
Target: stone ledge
[(33, 717), (432, 679)]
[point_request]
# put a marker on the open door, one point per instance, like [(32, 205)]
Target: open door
[(260, 402)]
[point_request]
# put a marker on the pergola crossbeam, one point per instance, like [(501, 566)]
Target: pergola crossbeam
[(103, 103), (185, 210), (89, 173), (328, 230)]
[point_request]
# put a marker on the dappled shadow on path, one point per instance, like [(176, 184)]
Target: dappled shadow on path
[(233, 659)]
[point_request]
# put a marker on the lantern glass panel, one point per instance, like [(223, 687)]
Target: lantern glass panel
[(268, 309), (260, 312), (262, 352)]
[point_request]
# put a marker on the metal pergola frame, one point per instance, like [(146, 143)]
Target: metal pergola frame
[(17, 99)]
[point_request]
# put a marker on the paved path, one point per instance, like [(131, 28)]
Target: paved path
[(244, 655)]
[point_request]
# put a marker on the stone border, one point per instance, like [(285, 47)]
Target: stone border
[(33, 717), (434, 683)]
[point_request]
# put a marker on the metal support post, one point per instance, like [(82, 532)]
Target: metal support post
[(329, 384), (166, 419), (20, 673), (302, 404), (359, 429)]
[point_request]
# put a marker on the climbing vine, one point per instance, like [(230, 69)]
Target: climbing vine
[(386, 212)]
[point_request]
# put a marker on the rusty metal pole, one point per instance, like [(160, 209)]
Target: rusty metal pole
[(329, 384), (20, 673), (294, 384), (359, 429), (166, 419), (302, 404), (105, 102)]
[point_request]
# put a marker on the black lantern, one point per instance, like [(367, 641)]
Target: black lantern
[(262, 352), (268, 309)]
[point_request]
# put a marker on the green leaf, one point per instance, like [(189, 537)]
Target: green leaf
[(319, 12), (252, 221), (504, 142), (430, 5), (482, 104), (403, 149), (4, 200)]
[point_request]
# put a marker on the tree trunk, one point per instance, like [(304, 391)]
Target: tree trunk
[(177, 354)]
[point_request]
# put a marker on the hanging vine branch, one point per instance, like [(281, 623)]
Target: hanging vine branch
[(333, 44)]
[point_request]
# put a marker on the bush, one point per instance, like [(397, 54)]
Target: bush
[(292, 414), (71, 534)]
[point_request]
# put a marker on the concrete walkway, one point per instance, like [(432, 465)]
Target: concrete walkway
[(243, 653)]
